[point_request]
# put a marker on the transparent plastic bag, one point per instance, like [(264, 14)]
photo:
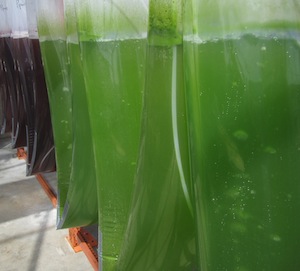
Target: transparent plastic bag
[(40, 145), (3, 89), (16, 53), (24, 72), (52, 37), (81, 208), (112, 39), (161, 233), (5, 106), (243, 82), (7, 86)]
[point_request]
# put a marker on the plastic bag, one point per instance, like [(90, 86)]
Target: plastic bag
[(52, 36), (112, 38), (7, 86), (243, 82), (40, 146), (18, 25), (5, 106), (161, 233), (3, 89), (81, 207)]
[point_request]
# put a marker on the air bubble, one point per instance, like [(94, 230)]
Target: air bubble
[(275, 237)]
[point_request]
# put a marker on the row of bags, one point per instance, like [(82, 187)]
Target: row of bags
[(24, 101), (176, 126)]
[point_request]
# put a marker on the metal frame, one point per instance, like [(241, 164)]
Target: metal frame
[(48, 189), (82, 240)]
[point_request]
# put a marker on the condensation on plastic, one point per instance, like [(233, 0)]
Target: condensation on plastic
[(161, 233), (40, 145), (112, 38), (81, 207), (52, 36), (5, 105), (243, 97)]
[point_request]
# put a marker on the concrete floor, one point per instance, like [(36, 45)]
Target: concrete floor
[(29, 240)]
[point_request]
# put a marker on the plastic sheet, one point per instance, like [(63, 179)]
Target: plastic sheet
[(81, 207), (112, 39), (52, 36), (243, 96), (161, 234)]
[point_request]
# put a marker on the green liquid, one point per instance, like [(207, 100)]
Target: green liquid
[(114, 76), (161, 231), (244, 117), (81, 206), (54, 55)]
